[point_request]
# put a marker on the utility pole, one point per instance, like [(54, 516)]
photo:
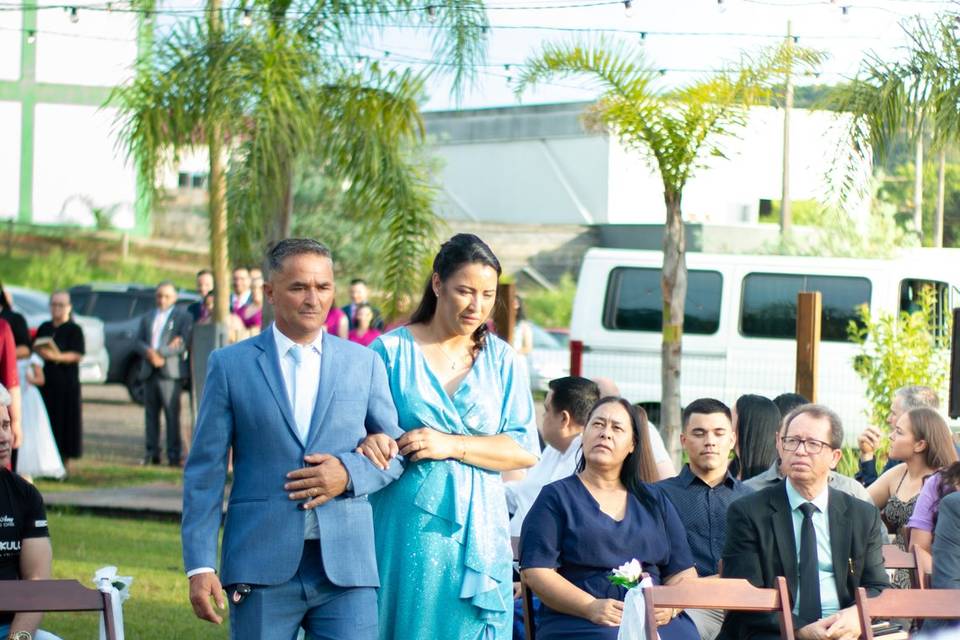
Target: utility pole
[(785, 212)]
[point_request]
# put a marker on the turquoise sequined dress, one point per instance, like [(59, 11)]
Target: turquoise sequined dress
[(443, 545)]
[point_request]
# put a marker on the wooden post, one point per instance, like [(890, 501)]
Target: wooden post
[(504, 316), (808, 343)]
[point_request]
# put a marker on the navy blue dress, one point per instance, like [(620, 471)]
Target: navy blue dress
[(566, 530)]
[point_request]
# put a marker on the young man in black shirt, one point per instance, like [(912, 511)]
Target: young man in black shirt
[(25, 552)]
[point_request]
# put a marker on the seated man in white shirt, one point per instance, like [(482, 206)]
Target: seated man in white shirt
[(565, 411)]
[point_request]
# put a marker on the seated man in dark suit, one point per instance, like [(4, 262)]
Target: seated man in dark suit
[(825, 543)]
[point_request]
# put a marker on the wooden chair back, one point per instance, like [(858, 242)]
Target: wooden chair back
[(729, 594), (906, 603), (896, 558), (25, 596), (924, 562), (526, 598)]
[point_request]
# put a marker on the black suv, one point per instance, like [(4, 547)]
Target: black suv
[(121, 306)]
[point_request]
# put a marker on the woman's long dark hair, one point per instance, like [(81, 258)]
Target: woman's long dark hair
[(758, 422), (638, 467), (457, 252)]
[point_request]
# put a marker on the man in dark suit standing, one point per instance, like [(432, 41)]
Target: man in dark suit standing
[(360, 294), (162, 341), (826, 543)]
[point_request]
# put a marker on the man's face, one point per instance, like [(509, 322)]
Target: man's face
[(165, 296), (241, 281), (301, 294), (204, 284), (6, 437), (802, 466), (552, 421), (708, 439), (358, 293), (896, 410)]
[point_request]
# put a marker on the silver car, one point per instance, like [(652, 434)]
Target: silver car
[(35, 307)]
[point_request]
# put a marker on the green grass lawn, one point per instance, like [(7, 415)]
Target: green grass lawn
[(90, 473), (150, 552)]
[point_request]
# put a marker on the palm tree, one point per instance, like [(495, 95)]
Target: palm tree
[(268, 85), (915, 95), (677, 129)]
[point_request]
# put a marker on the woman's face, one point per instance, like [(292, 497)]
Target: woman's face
[(608, 437), (364, 317), (60, 308), (465, 299), (903, 444)]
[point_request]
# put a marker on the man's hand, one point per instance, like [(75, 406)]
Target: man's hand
[(154, 358), (846, 626), (869, 441), (817, 630), (605, 612), (323, 480), (204, 586), (379, 448), (428, 444)]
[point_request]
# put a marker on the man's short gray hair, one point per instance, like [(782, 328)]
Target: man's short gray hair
[(5, 399), (917, 396), (166, 283), (818, 411), (292, 247)]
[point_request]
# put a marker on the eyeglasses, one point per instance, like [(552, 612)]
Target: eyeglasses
[(811, 446)]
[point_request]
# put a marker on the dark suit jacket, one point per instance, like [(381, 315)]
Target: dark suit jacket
[(760, 546), (179, 325), (377, 318)]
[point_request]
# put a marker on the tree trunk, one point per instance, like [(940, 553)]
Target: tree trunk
[(673, 284), (786, 218), (941, 185), (918, 188), (219, 255)]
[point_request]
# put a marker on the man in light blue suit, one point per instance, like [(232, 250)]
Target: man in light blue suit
[(293, 403)]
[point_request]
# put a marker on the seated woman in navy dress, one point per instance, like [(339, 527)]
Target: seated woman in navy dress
[(605, 515)]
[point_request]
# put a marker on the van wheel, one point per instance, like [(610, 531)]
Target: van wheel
[(135, 386)]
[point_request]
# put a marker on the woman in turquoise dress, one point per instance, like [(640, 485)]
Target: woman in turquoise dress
[(443, 546)]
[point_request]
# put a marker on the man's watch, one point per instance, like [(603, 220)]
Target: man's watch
[(20, 635)]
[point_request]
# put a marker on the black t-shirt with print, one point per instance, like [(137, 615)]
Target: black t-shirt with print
[(22, 516)]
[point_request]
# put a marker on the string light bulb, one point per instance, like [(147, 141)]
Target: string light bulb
[(431, 13), (845, 13), (148, 17), (74, 15), (31, 36), (628, 8), (247, 19)]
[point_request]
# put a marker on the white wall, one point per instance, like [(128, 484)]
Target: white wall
[(9, 159), (75, 159), (11, 22)]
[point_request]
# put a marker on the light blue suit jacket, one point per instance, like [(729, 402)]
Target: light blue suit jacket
[(245, 406)]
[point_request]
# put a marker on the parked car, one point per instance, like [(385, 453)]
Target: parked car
[(120, 307), (549, 359), (35, 307)]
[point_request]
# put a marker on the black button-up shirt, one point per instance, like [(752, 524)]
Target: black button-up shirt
[(703, 511)]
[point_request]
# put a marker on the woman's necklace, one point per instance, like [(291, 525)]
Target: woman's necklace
[(454, 363)]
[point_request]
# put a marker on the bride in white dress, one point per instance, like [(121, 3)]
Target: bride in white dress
[(38, 456)]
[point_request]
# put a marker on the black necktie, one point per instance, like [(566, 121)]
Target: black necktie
[(809, 609)]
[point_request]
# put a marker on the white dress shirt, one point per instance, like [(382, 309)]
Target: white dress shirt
[(553, 465), (302, 386), (159, 321)]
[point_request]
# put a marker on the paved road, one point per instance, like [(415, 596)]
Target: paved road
[(113, 426)]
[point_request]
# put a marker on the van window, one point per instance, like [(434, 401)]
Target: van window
[(910, 301), (634, 301), (769, 305), (111, 307)]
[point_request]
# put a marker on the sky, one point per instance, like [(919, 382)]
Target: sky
[(687, 38)]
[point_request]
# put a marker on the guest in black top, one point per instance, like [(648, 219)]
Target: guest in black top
[(61, 369), (25, 552), (703, 491), (582, 527), (18, 324)]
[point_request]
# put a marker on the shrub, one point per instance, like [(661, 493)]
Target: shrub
[(897, 351), (551, 308)]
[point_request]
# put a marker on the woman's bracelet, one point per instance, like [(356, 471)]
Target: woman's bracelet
[(463, 448)]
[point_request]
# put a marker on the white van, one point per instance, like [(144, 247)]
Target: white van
[(740, 320)]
